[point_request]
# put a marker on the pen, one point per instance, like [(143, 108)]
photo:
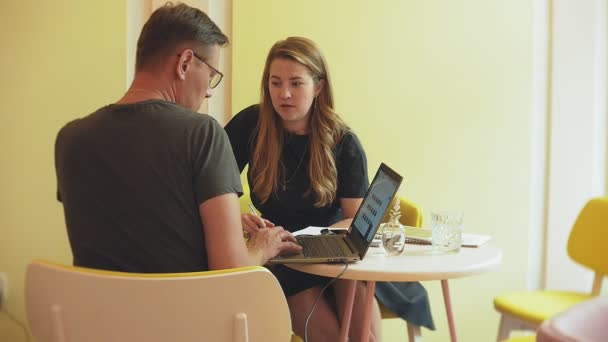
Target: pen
[(252, 209), (255, 213)]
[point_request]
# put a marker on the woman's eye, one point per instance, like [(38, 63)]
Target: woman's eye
[(297, 84), (274, 84)]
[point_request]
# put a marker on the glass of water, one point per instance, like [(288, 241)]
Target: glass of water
[(446, 228)]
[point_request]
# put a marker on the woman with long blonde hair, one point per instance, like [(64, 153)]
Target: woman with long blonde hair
[(306, 168)]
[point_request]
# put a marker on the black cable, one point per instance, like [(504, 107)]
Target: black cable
[(16, 321), (319, 296)]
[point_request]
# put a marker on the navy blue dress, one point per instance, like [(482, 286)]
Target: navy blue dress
[(292, 205)]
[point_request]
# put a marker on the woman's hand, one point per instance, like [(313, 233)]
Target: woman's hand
[(253, 223)]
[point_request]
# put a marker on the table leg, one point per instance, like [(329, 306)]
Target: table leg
[(348, 311), (448, 309), (367, 318)]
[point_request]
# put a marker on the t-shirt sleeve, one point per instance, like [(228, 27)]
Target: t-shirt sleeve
[(352, 168), (239, 130), (215, 171)]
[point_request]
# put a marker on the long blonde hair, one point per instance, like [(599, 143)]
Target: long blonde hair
[(326, 127)]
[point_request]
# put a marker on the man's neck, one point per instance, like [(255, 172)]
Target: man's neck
[(147, 86)]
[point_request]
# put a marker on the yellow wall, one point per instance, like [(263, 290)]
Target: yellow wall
[(441, 91), (59, 60)]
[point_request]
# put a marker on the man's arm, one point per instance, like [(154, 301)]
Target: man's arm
[(224, 241)]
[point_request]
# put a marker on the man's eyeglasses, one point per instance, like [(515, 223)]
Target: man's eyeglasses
[(215, 78)]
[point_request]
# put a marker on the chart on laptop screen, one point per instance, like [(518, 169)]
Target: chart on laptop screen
[(374, 205)]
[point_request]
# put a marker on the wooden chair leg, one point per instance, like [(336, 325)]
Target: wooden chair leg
[(413, 333), (504, 328), (509, 323)]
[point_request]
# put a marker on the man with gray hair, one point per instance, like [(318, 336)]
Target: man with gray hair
[(148, 184)]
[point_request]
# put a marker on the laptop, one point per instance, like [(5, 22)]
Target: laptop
[(351, 245)]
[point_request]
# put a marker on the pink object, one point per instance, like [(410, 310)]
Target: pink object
[(586, 321), (348, 310), (448, 309), (367, 318)]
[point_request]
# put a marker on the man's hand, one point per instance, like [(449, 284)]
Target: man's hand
[(270, 242)]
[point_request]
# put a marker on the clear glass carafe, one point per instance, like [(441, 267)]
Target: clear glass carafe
[(393, 232)]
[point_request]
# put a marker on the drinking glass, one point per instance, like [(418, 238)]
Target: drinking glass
[(446, 229)]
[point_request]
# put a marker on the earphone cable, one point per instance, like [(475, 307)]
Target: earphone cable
[(319, 296)]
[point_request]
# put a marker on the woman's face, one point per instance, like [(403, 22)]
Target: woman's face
[(292, 91)]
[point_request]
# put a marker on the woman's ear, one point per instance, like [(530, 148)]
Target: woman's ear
[(319, 87)]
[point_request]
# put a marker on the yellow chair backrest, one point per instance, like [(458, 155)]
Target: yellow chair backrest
[(411, 214), (588, 241), (66, 303), (245, 200)]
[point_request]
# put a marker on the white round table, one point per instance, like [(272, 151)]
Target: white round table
[(416, 263)]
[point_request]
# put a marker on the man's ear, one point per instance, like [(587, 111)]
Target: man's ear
[(183, 64)]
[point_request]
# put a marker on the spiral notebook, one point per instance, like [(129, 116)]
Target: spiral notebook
[(422, 236)]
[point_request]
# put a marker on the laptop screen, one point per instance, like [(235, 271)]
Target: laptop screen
[(375, 203)]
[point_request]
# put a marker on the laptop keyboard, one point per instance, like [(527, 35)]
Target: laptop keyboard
[(322, 246)]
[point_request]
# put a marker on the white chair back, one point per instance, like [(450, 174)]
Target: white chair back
[(72, 304)]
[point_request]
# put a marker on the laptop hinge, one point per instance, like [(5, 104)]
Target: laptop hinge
[(351, 246)]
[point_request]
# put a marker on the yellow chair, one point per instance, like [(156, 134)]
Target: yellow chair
[(411, 215), (587, 246), (66, 303), (244, 200)]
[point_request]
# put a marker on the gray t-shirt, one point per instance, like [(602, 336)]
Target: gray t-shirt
[(131, 178)]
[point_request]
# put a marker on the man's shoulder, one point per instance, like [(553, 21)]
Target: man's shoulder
[(193, 121), (160, 114), (171, 116), (172, 111), (80, 124), (189, 118)]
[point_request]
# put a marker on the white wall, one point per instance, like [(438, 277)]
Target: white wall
[(577, 129)]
